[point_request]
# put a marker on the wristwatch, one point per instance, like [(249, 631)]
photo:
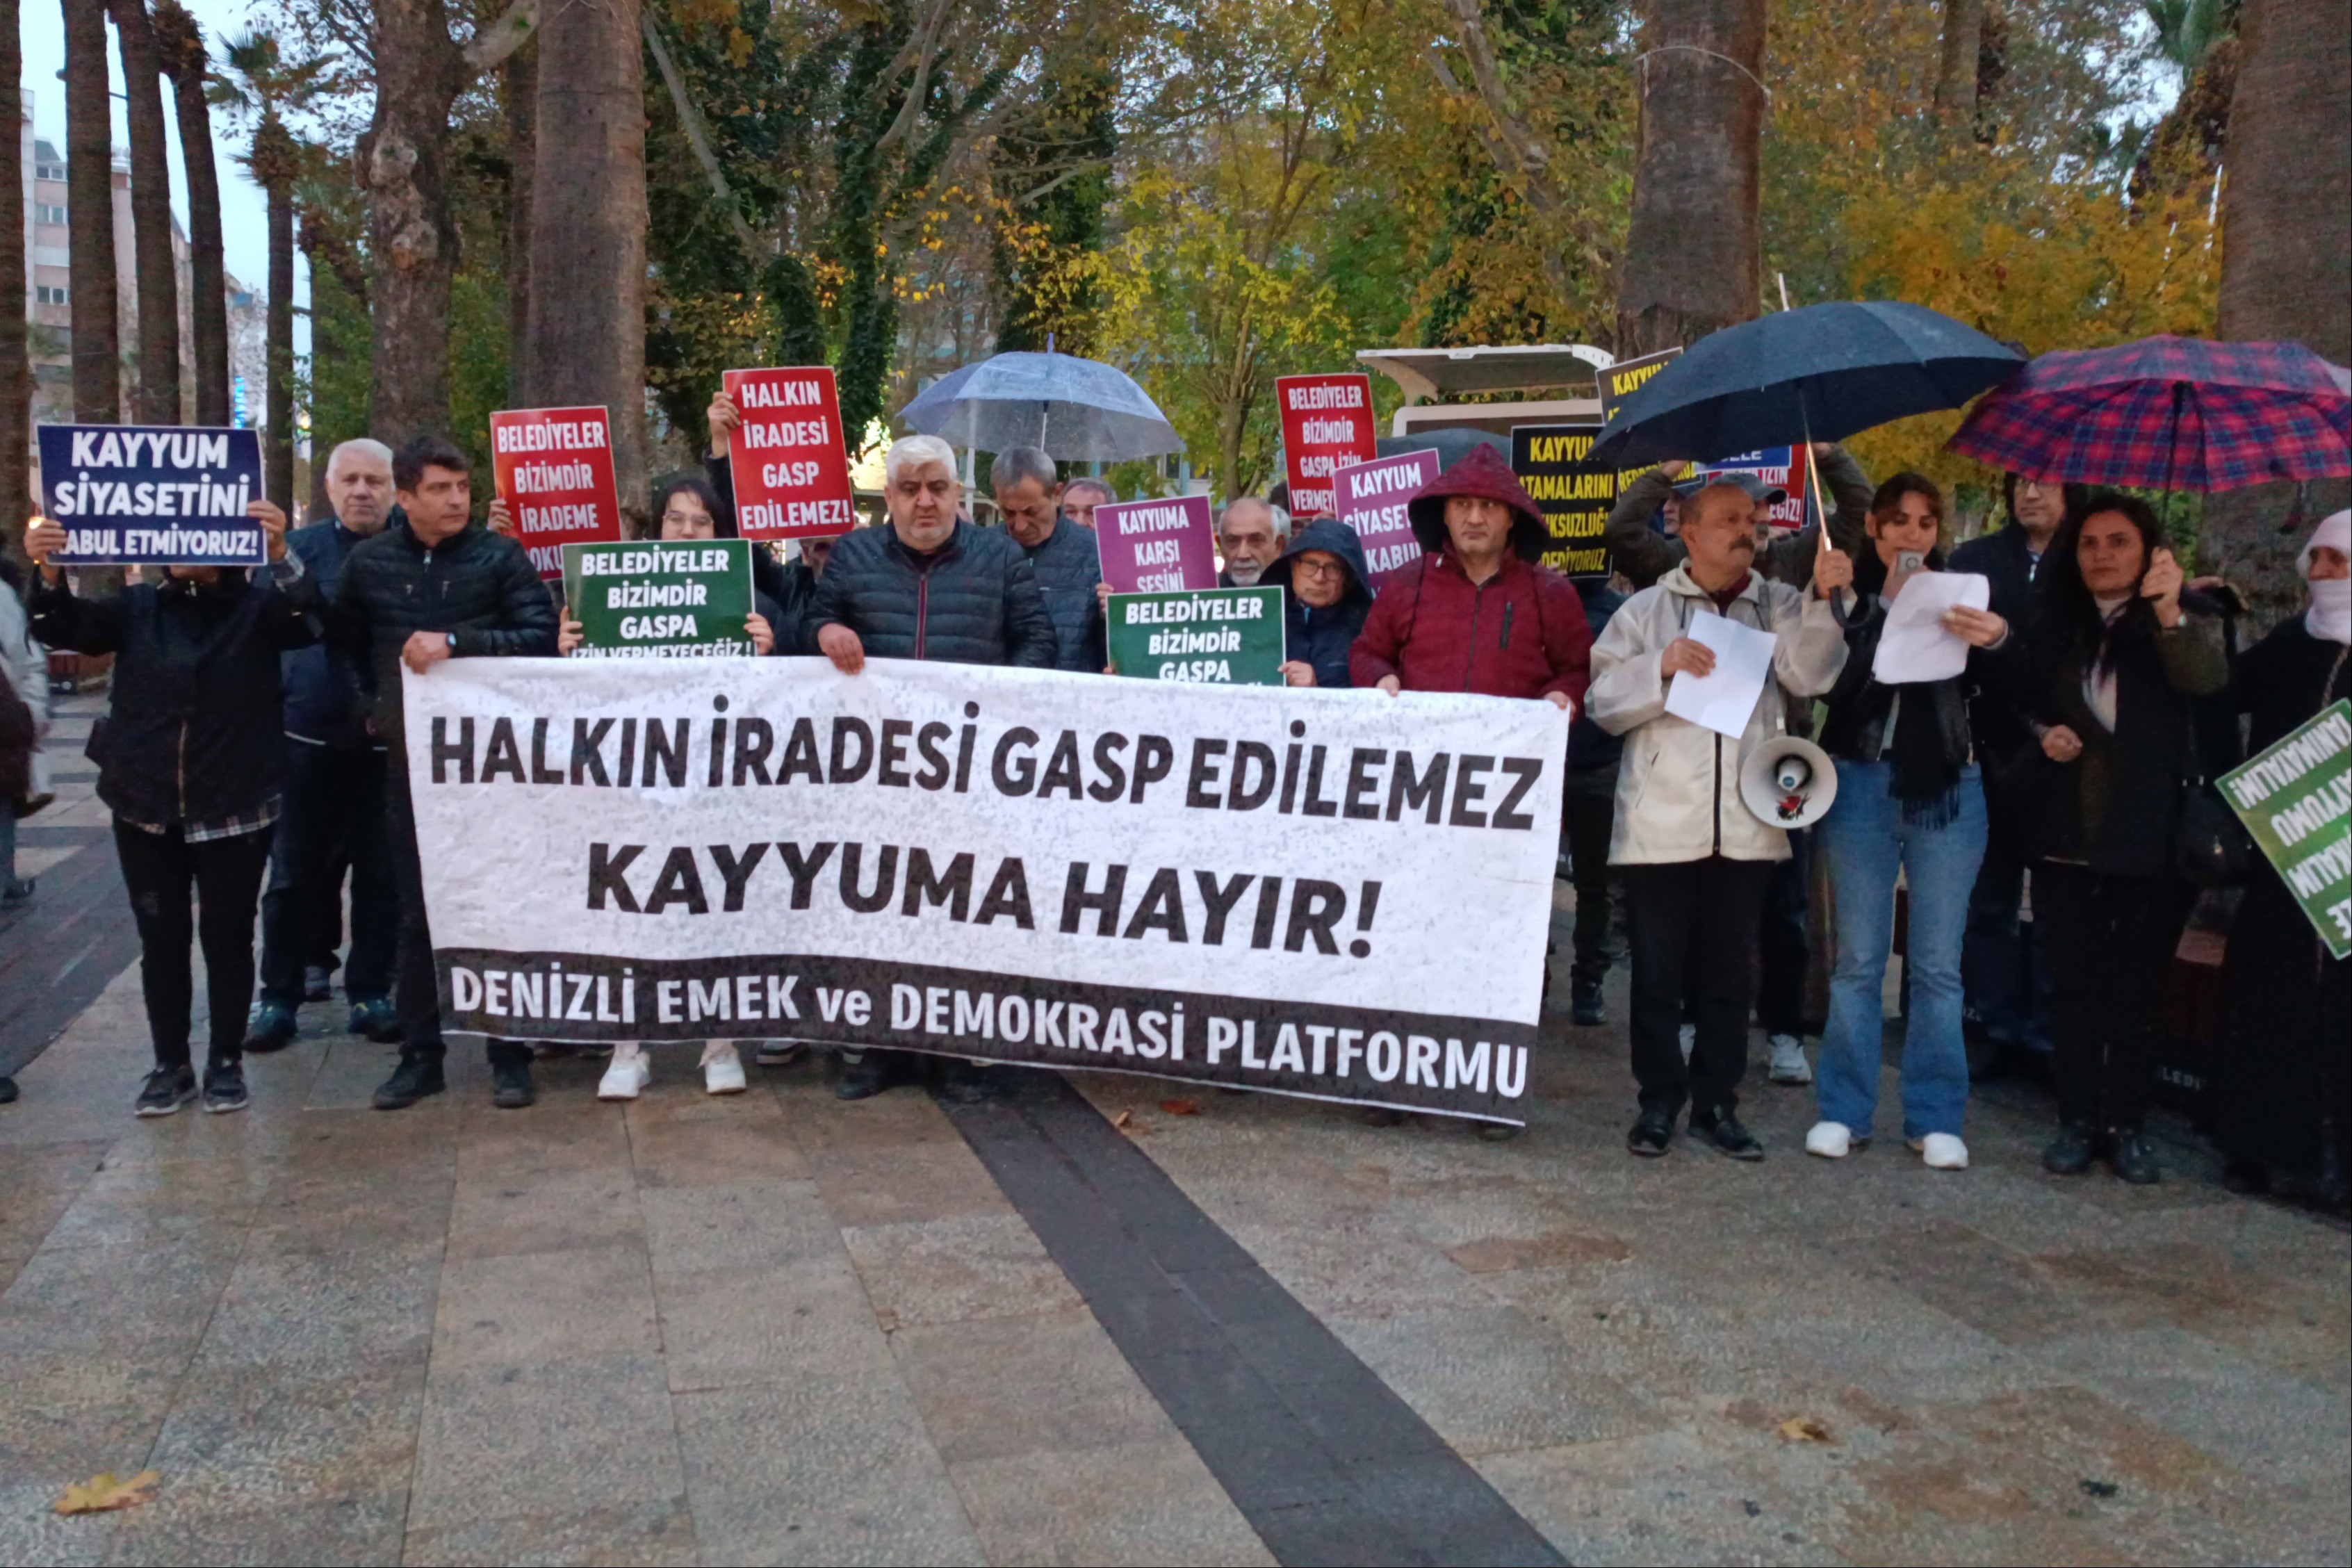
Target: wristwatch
[(453, 643)]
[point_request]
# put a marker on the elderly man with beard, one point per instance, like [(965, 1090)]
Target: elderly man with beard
[(1063, 554), (1695, 859)]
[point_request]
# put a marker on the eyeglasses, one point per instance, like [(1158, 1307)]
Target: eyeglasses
[(683, 518), (1317, 568)]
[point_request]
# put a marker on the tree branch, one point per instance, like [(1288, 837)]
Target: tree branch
[(927, 46), (489, 48), (1527, 155), (691, 119)]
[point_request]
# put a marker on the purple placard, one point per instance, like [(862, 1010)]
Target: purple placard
[(1157, 546), (1370, 497)]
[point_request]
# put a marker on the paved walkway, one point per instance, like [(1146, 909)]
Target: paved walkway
[(777, 1329)]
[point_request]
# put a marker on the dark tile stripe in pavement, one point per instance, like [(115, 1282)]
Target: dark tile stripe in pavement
[(59, 951), (1326, 1463)]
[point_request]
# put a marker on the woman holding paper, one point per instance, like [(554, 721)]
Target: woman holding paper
[(1909, 803)]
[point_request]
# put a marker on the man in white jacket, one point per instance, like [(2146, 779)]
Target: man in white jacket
[(1695, 861)]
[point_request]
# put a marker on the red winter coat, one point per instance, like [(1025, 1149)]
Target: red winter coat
[(1521, 634)]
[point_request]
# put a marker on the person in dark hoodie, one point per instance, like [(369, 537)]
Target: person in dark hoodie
[(1064, 557), (1327, 596), (189, 761)]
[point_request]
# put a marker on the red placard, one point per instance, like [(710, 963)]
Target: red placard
[(553, 467), (790, 463), (1327, 424)]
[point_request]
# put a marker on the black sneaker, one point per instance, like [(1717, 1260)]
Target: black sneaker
[(224, 1087), (1652, 1135), (866, 1077), (374, 1020), (16, 893), (412, 1081), (7, 1090), (269, 1028), (167, 1089), (1380, 1116), (510, 1087), (779, 1053), (968, 1083), (1584, 1007), (2071, 1152), (2133, 1159), (1722, 1130), (318, 983)]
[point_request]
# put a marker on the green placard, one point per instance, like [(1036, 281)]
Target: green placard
[(654, 598), (2296, 800), (1213, 636)]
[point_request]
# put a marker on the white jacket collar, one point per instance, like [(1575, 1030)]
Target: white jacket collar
[(1679, 580)]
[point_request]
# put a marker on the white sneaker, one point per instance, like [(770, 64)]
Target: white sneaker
[(722, 1069), (1829, 1140), (1689, 1039), (1789, 1063), (1942, 1151), (627, 1077)]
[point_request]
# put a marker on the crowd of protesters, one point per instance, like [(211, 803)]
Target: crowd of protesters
[(254, 732)]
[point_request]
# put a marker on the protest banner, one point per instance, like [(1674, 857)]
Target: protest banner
[(1299, 891), (157, 495), (1327, 424), (1574, 493), (788, 458), (1782, 466), (1157, 546), (660, 598), (1622, 379), (1370, 497), (1218, 637), (553, 467), (2295, 798)]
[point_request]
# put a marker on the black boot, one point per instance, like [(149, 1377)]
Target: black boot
[(2133, 1158), (1723, 1131), (510, 1087), (1652, 1135), (2071, 1152), (2247, 1178), (866, 1077), (1584, 1004), (417, 1076), (968, 1083)]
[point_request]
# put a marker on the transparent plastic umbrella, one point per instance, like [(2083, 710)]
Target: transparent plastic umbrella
[(1074, 408)]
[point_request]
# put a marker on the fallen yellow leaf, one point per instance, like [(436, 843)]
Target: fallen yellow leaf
[(1805, 1429), (103, 1493), (1180, 1108)]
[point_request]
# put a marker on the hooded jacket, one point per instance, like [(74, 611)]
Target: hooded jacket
[(1678, 786), (974, 600), (1322, 639), (1521, 633), (1067, 566)]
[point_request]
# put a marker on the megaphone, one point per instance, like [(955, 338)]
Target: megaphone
[(1788, 783)]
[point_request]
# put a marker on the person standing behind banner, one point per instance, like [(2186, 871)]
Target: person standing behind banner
[(2283, 1094), (188, 760), (2117, 663), (24, 720), (433, 586), (1066, 561), (1081, 496), (927, 586), (334, 800), (1588, 805), (1644, 556), (1327, 597), (1695, 861), (1250, 534), (790, 583)]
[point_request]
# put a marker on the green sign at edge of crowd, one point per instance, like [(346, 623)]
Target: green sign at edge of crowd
[(2328, 906), (1254, 659), (717, 618)]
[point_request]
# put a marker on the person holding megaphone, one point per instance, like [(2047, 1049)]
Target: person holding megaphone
[(1909, 803)]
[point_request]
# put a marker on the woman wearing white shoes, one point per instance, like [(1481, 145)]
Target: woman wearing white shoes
[(1908, 802), (633, 1069)]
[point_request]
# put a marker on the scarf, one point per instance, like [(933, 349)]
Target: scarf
[(2330, 616)]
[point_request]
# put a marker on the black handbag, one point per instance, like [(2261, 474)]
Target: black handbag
[(2211, 847)]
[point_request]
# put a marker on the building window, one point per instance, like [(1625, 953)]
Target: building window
[(48, 294), (45, 212), (48, 171)]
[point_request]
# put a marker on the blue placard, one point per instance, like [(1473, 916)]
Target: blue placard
[(153, 494)]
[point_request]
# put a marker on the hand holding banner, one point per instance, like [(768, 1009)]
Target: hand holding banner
[(788, 457), (553, 467)]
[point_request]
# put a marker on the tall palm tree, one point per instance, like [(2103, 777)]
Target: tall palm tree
[(180, 54), (158, 401), (89, 217), (16, 370)]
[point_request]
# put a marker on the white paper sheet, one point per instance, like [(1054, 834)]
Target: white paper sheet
[(1743, 663), (1915, 646)]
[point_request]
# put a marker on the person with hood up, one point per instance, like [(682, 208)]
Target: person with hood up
[(2282, 1113), (1695, 861), (1328, 598)]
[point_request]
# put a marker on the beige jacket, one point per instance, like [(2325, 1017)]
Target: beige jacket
[(1678, 784)]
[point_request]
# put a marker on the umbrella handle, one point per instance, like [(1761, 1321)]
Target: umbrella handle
[(1844, 617)]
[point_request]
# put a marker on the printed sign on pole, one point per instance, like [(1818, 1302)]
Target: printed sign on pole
[(1157, 546), (1370, 499), (2295, 798), (553, 467), (1220, 636), (153, 494), (790, 463), (1782, 466), (1327, 424), (659, 599), (1621, 380), (1555, 466)]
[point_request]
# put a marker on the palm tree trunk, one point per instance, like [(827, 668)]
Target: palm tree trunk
[(180, 52), (586, 321), (520, 86), (2286, 259), (1694, 251), (418, 75), (90, 216), (277, 353), (151, 219), (16, 370)]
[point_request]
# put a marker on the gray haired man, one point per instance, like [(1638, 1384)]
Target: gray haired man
[(1250, 536), (1028, 492)]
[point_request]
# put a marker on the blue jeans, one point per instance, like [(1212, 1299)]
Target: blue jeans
[(1867, 841)]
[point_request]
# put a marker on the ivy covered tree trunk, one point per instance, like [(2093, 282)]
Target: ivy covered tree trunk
[(89, 217), (180, 54), (151, 219), (1055, 175)]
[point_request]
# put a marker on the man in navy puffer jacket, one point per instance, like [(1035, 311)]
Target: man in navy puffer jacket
[(1064, 556), (1326, 595)]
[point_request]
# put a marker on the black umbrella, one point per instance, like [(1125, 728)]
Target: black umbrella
[(1819, 374)]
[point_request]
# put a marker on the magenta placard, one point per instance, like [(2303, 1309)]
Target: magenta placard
[(1370, 498), (1157, 546)]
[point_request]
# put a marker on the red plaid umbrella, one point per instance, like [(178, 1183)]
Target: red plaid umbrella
[(2167, 412)]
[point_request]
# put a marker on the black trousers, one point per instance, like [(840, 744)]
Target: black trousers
[(333, 820), (1692, 927), (1587, 820), (418, 997), (1783, 951), (2111, 939), (161, 871)]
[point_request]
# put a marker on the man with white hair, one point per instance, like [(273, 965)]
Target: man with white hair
[(1068, 566), (332, 813), (1251, 533)]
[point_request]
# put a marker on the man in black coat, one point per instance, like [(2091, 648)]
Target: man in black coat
[(436, 586), (1066, 562)]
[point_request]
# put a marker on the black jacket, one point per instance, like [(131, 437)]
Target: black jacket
[(1855, 727), (1322, 638), (319, 680), (192, 731), (478, 585), (974, 600), (1593, 752), (1068, 566), (1998, 722)]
